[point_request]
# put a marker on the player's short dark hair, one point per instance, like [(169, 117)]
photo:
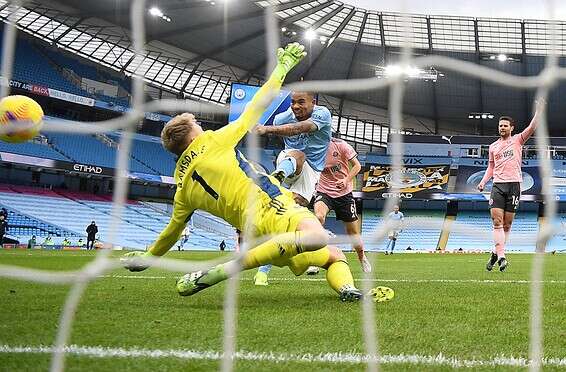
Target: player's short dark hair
[(310, 94), (509, 119)]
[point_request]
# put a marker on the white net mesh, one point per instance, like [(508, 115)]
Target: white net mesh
[(103, 263)]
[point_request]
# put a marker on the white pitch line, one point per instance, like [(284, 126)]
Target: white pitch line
[(479, 281), (333, 358)]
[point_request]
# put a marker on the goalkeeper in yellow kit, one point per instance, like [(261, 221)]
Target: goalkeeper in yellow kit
[(213, 176)]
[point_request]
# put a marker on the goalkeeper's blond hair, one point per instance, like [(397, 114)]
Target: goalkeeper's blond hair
[(175, 134)]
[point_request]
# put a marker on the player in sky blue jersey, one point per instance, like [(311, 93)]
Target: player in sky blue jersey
[(306, 129), (396, 218)]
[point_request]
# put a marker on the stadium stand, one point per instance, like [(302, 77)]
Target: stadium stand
[(149, 151), (415, 234), (31, 66), (36, 149), (87, 71), (523, 234), (39, 65), (81, 148), (558, 241), (67, 213)]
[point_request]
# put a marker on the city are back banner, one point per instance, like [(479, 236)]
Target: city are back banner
[(412, 181)]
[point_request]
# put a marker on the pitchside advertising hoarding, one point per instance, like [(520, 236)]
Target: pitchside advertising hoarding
[(470, 173), (411, 181), (419, 178)]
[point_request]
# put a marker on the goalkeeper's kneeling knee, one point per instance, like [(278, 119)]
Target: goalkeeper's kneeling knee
[(336, 255), (322, 258)]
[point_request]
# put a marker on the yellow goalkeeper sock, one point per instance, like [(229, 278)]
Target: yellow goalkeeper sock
[(339, 275), (301, 262), (282, 246)]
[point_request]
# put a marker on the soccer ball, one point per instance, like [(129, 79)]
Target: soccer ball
[(21, 119), (382, 294)]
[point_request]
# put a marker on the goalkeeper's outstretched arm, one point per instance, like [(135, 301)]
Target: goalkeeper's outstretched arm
[(287, 58), (172, 232), (134, 261)]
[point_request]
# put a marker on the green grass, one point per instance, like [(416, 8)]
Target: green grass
[(460, 318)]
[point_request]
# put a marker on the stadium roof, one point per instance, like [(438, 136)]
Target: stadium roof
[(510, 9), (350, 43)]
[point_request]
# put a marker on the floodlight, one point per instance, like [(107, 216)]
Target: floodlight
[(155, 11), (310, 34)]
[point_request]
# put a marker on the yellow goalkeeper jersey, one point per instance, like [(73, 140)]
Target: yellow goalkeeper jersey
[(213, 176)]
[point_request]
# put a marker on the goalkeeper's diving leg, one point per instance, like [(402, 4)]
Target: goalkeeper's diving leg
[(284, 250)]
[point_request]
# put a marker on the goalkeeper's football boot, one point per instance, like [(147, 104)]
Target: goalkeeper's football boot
[(381, 294), (350, 294), (196, 281), (189, 284), (492, 261), (502, 264)]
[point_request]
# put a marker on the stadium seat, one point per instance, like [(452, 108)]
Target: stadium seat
[(523, 236), (40, 150), (421, 230), (35, 211), (81, 148)]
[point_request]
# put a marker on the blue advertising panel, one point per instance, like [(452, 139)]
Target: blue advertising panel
[(242, 94), (470, 173)]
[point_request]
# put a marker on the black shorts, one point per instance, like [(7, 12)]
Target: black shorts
[(344, 206), (506, 196)]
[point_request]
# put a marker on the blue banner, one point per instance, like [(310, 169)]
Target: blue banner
[(242, 94)]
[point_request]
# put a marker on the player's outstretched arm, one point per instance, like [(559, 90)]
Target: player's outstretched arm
[(135, 261), (287, 130), (528, 132), (286, 59)]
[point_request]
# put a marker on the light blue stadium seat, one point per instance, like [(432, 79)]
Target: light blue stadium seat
[(32, 149), (523, 235), (87, 149), (149, 151), (421, 230), (139, 224)]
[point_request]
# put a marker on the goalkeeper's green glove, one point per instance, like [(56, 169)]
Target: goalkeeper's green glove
[(290, 56), (136, 261)]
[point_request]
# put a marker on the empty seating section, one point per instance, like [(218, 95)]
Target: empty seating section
[(39, 65), (88, 71), (33, 67), (23, 226), (421, 230), (558, 241), (33, 149), (40, 212), (87, 149), (523, 236), (149, 151)]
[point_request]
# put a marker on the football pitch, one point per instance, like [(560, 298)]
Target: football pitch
[(448, 313)]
